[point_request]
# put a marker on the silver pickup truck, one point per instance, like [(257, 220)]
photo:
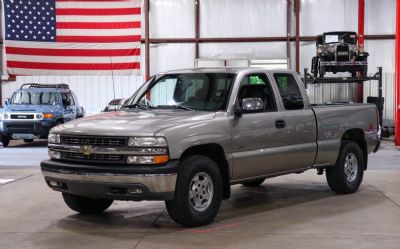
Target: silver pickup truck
[(186, 136)]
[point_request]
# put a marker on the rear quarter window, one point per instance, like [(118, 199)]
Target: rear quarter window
[(289, 91)]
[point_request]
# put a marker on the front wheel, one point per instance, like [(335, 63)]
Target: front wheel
[(86, 205), (198, 193), (346, 176), (5, 140)]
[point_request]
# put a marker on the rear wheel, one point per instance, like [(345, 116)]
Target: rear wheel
[(254, 183), (86, 205), (321, 69), (5, 140), (346, 176), (198, 193)]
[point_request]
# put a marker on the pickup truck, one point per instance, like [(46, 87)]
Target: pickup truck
[(186, 136), (36, 108)]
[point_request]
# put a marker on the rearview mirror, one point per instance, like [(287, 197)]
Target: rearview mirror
[(7, 101), (249, 105)]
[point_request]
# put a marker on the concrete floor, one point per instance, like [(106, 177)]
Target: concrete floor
[(294, 211)]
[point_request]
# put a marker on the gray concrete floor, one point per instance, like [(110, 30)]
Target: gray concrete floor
[(293, 211)]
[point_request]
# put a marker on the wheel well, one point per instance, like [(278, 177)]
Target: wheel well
[(357, 135), (216, 153)]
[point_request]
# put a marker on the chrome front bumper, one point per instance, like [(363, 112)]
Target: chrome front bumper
[(154, 183)]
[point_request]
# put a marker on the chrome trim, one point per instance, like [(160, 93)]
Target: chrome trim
[(157, 183), (106, 150)]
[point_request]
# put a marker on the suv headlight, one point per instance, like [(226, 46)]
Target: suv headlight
[(147, 142), (54, 138)]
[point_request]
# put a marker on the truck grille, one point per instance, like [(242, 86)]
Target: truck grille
[(93, 140), (22, 116), (342, 52), (91, 158)]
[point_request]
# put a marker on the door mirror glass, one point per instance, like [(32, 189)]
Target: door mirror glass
[(250, 105), (7, 101)]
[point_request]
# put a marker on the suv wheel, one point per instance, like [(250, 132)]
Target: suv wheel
[(86, 205), (5, 140), (346, 176), (254, 183), (198, 193)]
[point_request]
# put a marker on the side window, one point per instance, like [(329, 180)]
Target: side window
[(258, 86), (67, 99), (71, 99), (289, 91)]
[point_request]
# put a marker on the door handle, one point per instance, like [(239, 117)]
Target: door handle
[(280, 124)]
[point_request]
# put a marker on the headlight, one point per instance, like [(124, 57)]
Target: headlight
[(147, 142), (48, 115), (39, 116), (5, 116), (54, 138), (148, 159)]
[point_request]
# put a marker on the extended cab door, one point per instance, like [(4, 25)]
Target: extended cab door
[(258, 137), (301, 148)]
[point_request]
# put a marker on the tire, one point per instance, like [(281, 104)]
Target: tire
[(254, 183), (321, 69), (340, 180), (5, 140), (86, 205), (193, 171), (28, 140), (314, 66)]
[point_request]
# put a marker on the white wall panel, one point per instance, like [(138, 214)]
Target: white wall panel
[(318, 16), (380, 17), (172, 18), (259, 50), (238, 18), (164, 57)]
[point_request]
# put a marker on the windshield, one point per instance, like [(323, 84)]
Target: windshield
[(342, 38), (195, 91), (34, 98)]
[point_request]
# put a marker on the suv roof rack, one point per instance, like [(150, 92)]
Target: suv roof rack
[(36, 85)]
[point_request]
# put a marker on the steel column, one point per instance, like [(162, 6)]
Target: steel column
[(397, 71), (297, 13), (361, 14), (197, 26), (147, 37)]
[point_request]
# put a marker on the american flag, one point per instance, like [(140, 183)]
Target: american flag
[(66, 37)]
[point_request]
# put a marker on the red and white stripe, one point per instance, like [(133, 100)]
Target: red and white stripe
[(93, 38)]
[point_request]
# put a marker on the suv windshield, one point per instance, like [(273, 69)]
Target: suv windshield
[(194, 91), (350, 38), (34, 98)]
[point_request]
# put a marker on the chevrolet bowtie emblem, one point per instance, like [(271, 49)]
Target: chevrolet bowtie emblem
[(86, 150)]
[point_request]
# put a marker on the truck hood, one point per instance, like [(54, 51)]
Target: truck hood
[(131, 123), (30, 108)]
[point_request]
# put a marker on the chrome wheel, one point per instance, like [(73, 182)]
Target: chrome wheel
[(201, 191), (351, 167)]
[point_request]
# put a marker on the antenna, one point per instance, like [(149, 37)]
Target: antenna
[(112, 76)]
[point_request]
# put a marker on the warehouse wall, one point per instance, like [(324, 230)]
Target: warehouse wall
[(237, 18)]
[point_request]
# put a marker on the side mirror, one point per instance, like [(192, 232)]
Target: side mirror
[(7, 101), (249, 105)]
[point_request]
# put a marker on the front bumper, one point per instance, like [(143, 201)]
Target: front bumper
[(113, 182), (26, 129), (344, 63)]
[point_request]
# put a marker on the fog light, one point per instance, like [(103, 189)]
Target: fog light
[(54, 154), (53, 184), (135, 191)]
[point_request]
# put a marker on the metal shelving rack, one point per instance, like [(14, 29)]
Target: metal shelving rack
[(309, 79)]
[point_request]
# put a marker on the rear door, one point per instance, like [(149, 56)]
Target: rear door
[(301, 148)]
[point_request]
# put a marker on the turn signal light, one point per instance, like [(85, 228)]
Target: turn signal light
[(48, 115)]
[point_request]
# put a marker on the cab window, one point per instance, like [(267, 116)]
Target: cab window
[(258, 86), (289, 91)]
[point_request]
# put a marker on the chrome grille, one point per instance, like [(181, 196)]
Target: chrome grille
[(92, 157), (93, 140)]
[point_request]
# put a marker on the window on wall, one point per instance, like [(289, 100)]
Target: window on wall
[(289, 91)]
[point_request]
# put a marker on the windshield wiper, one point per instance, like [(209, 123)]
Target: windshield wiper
[(136, 105), (175, 107)]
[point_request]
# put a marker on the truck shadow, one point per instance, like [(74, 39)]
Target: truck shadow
[(278, 204), (22, 144)]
